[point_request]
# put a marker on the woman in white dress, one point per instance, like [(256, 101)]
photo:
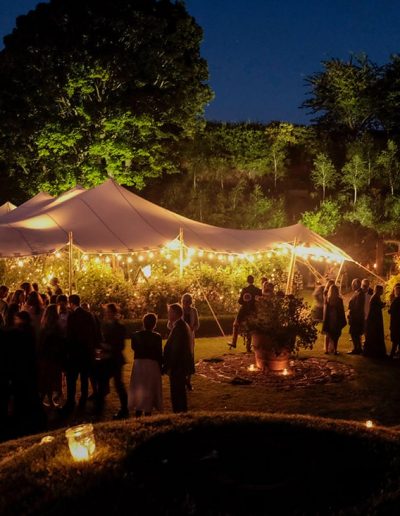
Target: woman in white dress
[(191, 318), (145, 388)]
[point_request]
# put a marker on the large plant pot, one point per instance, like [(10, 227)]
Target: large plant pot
[(265, 355)]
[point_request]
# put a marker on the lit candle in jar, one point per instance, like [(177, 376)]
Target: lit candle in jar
[(285, 372), (81, 442), (252, 367)]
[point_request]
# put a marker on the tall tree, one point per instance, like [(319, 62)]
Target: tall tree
[(279, 137), (354, 175), (389, 164), (324, 174), (91, 88), (387, 96)]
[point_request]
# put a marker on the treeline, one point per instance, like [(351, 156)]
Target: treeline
[(90, 91)]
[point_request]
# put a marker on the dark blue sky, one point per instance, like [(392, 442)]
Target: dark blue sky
[(260, 51)]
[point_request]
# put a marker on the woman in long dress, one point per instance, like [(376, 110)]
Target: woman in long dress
[(191, 317), (334, 319), (374, 334), (145, 388)]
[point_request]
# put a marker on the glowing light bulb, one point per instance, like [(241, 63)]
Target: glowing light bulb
[(130, 259), (369, 424)]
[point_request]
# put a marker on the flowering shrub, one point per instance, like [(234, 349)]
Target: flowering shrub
[(99, 282)]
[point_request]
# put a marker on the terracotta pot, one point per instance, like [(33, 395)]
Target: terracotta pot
[(266, 357)]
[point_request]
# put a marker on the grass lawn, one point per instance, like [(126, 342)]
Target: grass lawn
[(373, 394)]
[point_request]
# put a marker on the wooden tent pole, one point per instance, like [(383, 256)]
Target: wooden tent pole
[(70, 261), (289, 284), (181, 252), (340, 271), (311, 268)]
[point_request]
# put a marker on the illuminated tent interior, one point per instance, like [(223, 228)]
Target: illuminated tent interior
[(111, 219)]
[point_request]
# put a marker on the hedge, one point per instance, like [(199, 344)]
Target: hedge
[(208, 326)]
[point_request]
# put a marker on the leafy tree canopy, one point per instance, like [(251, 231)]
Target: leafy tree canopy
[(92, 88), (325, 219), (342, 95)]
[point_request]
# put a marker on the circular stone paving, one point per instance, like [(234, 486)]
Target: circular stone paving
[(240, 369)]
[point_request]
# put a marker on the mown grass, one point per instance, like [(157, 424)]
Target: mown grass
[(208, 463), (373, 394)]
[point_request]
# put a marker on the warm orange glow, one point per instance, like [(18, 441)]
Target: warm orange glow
[(285, 372), (40, 222), (369, 424), (81, 442)]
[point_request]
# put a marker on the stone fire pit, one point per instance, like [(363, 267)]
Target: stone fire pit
[(240, 369)]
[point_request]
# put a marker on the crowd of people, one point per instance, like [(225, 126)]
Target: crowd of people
[(51, 340), (364, 317)]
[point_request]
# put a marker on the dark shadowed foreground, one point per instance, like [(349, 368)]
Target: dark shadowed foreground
[(208, 463)]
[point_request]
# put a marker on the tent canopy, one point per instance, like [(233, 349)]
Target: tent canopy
[(6, 208), (111, 219)]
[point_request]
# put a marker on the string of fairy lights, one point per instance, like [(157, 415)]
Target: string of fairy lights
[(174, 253), (190, 253)]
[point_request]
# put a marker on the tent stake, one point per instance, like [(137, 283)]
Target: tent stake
[(70, 261)]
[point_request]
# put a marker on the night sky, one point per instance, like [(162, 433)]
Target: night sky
[(260, 51)]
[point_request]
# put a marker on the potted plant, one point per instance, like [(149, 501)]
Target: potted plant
[(279, 326)]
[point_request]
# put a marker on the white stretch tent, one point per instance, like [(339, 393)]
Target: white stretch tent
[(6, 208), (110, 219)]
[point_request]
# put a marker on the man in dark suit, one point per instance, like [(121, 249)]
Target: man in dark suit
[(82, 339), (356, 316), (178, 357)]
